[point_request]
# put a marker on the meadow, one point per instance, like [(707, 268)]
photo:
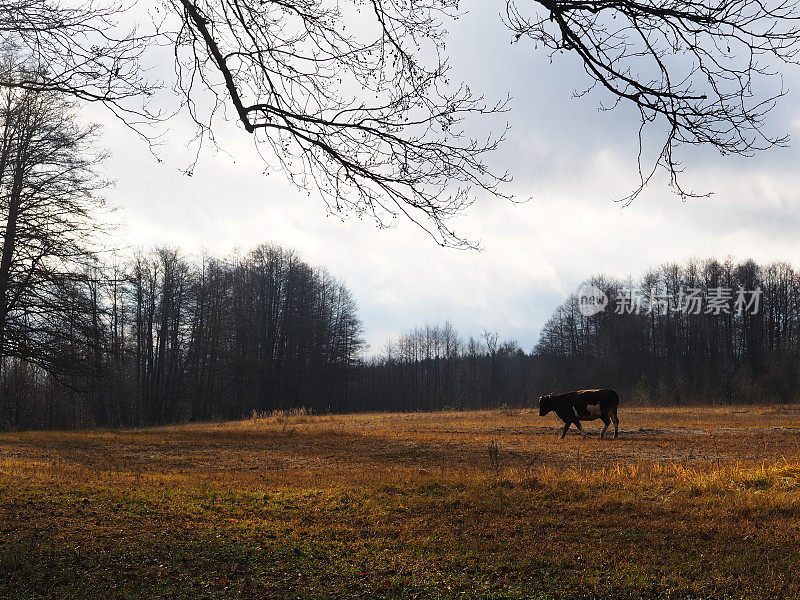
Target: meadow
[(690, 502)]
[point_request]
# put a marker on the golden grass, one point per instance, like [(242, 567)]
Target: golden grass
[(692, 503)]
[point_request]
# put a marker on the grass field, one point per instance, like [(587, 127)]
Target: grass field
[(687, 503)]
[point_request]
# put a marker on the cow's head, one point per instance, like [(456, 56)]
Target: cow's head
[(545, 404)]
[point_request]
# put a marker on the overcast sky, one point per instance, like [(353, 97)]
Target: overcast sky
[(571, 159)]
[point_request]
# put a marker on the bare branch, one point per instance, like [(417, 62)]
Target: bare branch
[(694, 67)]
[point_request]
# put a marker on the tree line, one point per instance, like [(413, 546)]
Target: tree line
[(434, 368), (704, 331), (87, 338), (170, 339), (707, 331)]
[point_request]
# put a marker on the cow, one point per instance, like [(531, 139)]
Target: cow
[(583, 405)]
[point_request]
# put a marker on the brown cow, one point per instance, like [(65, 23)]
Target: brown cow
[(583, 405)]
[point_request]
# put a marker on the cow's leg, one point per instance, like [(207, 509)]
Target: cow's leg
[(606, 423), (580, 428), (613, 414), (564, 432)]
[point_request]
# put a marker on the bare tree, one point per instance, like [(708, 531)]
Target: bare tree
[(699, 69), (78, 49), (350, 100), (49, 193), (344, 100)]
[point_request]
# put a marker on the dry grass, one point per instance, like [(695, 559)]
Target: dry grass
[(688, 503)]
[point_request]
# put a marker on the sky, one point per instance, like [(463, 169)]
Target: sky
[(568, 158)]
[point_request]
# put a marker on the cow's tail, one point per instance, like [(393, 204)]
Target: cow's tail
[(615, 397)]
